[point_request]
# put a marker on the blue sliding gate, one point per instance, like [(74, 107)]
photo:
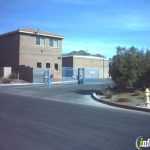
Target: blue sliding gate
[(42, 76), (73, 75), (69, 74), (91, 75), (82, 75)]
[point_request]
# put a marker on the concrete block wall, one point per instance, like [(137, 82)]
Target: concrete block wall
[(30, 54)]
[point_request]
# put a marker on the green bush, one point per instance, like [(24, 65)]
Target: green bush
[(130, 68)]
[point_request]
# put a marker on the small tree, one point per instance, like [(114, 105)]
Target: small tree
[(145, 66), (126, 67)]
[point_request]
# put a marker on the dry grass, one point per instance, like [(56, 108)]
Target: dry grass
[(134, 98)]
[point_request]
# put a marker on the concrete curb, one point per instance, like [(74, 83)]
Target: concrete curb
[(94, 96), (28, 84), (65, 82), (18, 84)]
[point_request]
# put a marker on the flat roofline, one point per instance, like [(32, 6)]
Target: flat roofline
[(8, 33), (33, 32), (40, 33), (86, 57)]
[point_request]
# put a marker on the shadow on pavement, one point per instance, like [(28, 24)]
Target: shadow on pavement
[(88, 92)]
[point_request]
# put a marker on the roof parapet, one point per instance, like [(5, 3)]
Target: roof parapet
[(33, 32)]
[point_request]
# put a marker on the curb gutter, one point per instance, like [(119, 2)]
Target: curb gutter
[(94, 96)]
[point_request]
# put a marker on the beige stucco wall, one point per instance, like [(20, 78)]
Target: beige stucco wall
[(106, 69), (30, 54), (102, 65)]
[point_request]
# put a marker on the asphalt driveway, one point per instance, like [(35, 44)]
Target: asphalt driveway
[(70, 93), (35, 124), (65, 117)]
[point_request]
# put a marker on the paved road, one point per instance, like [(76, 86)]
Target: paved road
[(71, 93), (35, 124)]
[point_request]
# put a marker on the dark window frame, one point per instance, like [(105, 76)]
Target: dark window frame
[(38, 40), (51, 42), (48, 65), (56, 66), (39, 65)]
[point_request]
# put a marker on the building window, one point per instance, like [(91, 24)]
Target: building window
[(54, 43), (40, 40), (39, 65), (58, 43), (37, 40), (48, 65), (51, 42), (56, 67)]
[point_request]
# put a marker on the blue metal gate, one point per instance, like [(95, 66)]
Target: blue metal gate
[(41, 76), (89, 75), (69, 73)]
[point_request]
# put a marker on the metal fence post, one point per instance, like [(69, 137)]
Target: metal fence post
[(49, 79), (81, 75)]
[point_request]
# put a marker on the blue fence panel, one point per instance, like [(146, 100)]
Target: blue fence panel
[(41, 75), (69, 73), (91, 73)]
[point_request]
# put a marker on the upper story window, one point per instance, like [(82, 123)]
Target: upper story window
[(54, 43), (51, 42), (59, 43), (37, 40), (40, 40)]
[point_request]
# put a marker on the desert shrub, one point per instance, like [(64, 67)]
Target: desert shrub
[(13, 76), (1, 80), (123, 100), (108, 94), (136, 93), (6, 80)]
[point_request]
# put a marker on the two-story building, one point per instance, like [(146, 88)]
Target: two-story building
[(33, 48)]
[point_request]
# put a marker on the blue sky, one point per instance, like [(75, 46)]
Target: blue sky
[(98, 26)]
